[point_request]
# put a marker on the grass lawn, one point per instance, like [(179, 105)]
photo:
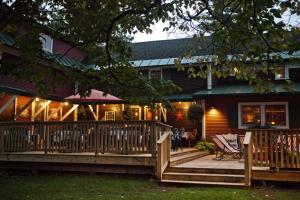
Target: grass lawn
[(116, 187)]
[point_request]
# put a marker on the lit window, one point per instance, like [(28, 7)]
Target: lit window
[(276, 115), (135, 112), (47, 42), (251, 115), (264, 114), (110, 115), (155, 74), (281, 73)]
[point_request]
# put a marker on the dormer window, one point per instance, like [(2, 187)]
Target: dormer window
[(282, 73), (47, 43)]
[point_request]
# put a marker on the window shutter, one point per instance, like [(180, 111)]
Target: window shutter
[(232, 113), (294, 115)]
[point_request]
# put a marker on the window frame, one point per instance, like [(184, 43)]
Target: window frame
[(107, 112), (263, 113), (286, 74), (45, 37), (155, 70)]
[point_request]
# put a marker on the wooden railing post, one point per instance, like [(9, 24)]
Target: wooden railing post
[(248, 156), (163, 153), (46, 137)]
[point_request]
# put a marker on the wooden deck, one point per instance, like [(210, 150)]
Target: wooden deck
[(81, 158), (144, 147)]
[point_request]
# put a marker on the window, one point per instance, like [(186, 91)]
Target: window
[(282, 73), (47, 42), (251, 115), (110, 115), (135, 112), (274, 114), (155, 74)]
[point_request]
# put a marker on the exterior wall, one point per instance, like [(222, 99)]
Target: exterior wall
[(61, 47), (180, 123), (181, 79), (27, 87), (217, 118)]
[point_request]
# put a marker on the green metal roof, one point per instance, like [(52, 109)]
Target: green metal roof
[(6, 39), (180, 97), (243, 89)]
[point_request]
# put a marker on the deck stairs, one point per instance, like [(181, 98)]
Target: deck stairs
[(175, 174)]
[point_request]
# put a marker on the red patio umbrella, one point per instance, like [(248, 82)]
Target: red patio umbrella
[(96, 96)]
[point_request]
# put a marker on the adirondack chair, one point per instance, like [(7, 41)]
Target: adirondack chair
[(225, 148)]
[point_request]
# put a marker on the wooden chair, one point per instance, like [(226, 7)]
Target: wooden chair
[(191, 136), (225, 148)]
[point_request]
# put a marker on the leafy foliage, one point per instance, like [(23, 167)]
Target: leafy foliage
[(195, 113), (246, 38), (205, 146)]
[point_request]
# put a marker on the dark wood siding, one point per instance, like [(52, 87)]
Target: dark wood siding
[(295, 74), (217, 120), (181, 79)]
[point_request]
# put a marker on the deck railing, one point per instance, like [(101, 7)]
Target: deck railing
[(276, 148), (163, 153), (122, 137)]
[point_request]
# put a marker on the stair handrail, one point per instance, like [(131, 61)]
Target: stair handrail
[(163, 153), (248, 156)]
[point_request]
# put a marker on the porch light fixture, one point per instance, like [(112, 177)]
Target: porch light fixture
[(212, 106), (179, 102), (104, 104), (66, 103), (37, 99)]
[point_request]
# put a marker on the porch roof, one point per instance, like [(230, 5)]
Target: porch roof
[(243, 90), (180, 97)]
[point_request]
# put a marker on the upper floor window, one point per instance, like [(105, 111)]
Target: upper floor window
[(155, 74), (47, 43), (274, 114), (282, 73)]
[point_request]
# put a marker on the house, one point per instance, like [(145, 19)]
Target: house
[(20, 100), (48, 133), (230, 105)]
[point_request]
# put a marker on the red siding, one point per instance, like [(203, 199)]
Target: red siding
[(61, 91), (61, 47)]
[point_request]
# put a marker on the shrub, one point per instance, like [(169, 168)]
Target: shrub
[(205, 146)]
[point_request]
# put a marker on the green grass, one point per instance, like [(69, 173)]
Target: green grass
[(114, 187)]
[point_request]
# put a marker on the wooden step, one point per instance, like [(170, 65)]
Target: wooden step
[(187, 157), (205, 170), (181, 152), (229, 178), (223, 184)]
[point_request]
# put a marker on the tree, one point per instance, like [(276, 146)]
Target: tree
[(248, 38), (251, 31)]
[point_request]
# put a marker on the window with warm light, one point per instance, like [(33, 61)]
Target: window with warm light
[(281, 73), (110, 116), (135, 113), (270, 114), (276, 115), (251, 115)]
